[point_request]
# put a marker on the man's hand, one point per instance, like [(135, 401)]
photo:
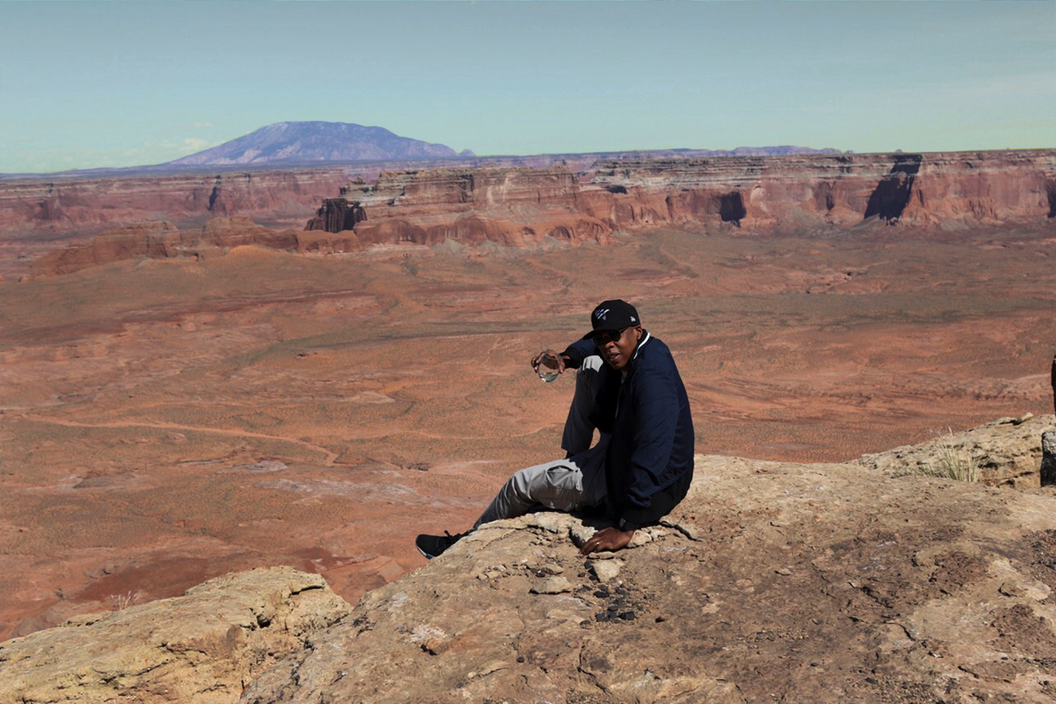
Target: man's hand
[(610, 539), (538, 359)]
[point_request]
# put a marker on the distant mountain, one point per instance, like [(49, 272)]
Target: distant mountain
[(308, 142)]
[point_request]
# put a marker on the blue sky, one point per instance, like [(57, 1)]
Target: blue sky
[(107, 83)]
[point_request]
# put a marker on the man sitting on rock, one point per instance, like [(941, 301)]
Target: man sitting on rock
[(627, 387)]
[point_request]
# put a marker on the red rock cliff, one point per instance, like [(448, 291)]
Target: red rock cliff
[(85, 204), (915, 190), (512, 206), (518, 205)]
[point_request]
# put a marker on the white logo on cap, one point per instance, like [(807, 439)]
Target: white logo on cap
[(601, 313)]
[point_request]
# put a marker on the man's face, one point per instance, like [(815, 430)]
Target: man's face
[(617, 346)]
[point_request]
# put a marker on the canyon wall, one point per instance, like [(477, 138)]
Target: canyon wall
[(79, 205), (520, 206), (943, 190), (511, 206), (936, 189), (946, 191), (162, 240)]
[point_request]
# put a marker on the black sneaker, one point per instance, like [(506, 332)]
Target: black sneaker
[(435, 545)]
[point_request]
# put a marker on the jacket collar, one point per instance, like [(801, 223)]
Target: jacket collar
[(641, 343)]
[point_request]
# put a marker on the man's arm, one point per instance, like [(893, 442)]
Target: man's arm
[(571, 358), (579, 350)]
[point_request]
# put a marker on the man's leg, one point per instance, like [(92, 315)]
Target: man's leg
[(563, 485), (579, 432)]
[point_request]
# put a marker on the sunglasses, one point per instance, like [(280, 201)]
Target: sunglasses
[(603, 338)]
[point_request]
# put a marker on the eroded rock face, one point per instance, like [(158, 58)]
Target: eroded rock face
[(161, 240), (521, 205), (72, 204), (771, 580), (949, 190), (823, 582), (201, 647), (156, 240), (1007, 451), (511, 206)]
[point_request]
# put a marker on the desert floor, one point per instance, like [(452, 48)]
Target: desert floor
[(167, 421)]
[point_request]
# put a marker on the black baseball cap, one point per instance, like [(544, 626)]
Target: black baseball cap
[(612, 315)]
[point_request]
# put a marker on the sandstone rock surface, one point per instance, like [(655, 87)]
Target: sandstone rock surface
[(74, 204), (1005, 451), (515, 206), (162, 240), (511, 206), (203, 647), (522, 206), (772, 581)]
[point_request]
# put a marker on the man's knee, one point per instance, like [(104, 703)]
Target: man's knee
[(520, 484), (554, 485)]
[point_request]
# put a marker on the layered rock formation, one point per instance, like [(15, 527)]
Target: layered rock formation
[(511, 206), (70, 205), (1005, 452), (203, 647), (950, 189), (516, 206), (771, 581), (162, 240), (520, 206)]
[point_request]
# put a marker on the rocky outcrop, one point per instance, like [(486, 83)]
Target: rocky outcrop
[(65, 205), (511, 206), (203, 647), (1005, 452), (154, 240), (824, 582), (624, 191), (944, 190), (767, 194), (1048, 442), (336, 215), (772, 581), (520, 206), (1048, 459), (161, 240)]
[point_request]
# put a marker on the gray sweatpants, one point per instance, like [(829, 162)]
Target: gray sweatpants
[(568, 484)]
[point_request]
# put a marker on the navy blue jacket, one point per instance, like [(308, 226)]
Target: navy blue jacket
[(649, 464)]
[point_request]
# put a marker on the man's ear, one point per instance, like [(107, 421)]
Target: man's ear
[(638, 333)]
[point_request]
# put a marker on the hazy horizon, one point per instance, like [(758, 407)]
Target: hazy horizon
[(98, 84)]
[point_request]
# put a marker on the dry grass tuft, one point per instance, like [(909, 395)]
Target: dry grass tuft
[(123, 601), (954, 462)]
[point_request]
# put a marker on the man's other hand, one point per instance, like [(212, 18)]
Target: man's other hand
[(538, 359), (607, 539)]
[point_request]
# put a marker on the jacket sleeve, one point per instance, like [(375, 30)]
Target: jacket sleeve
[(578, 351), (656, 422)]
